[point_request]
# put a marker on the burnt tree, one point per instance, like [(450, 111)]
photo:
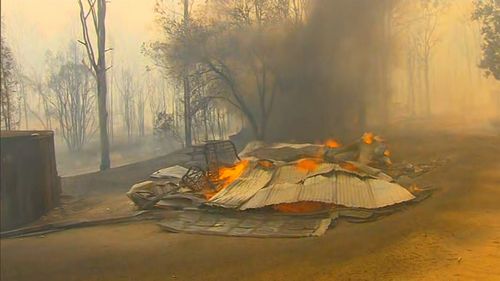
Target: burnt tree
[(72, 99), (97, 12)]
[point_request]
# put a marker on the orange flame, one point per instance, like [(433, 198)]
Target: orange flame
[(332, 143), (228, 175), (307, 165), (368, 138)]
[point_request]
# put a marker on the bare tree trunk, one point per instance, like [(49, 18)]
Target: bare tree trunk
[(187, 112), (384, 92), (99, 67), (427, 88), (262, 100), (46, 109), (212, 122), (469, 100), (240, 102), (25, 108), (205, 123), (219, 127), (23, 92), (102, 87), (411, 83), (111, 110), (6, 111), (141, 102), (187, 88)]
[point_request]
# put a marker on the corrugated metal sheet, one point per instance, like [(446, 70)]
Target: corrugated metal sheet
[(290, 174), (387, 193), (243, 188), (247, 224), (339, 188)]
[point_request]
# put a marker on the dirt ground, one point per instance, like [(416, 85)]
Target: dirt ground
[(454, 235)]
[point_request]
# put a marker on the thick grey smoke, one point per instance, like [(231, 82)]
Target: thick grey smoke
[(334, 72)]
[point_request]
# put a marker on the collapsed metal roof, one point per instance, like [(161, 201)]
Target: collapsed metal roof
[(328, 183), (339, 188), (311, 184)]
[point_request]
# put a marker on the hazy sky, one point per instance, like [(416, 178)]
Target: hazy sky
[(34, 26)]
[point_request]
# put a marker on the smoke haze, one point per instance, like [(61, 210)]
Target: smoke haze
[(335, 71)]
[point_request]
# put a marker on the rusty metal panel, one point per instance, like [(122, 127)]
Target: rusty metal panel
[(29, 185)]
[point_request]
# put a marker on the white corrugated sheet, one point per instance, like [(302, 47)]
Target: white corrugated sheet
[(339, 188)]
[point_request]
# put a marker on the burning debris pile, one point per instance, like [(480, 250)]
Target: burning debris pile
[(270, 185)]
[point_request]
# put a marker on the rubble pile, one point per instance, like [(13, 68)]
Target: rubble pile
[(272, 190)]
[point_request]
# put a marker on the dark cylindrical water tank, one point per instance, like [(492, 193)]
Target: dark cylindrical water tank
[(30, 185)]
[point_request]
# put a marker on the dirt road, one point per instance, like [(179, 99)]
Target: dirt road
[(454, 235)]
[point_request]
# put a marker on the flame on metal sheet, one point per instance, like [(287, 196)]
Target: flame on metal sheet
[(228, 175)]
